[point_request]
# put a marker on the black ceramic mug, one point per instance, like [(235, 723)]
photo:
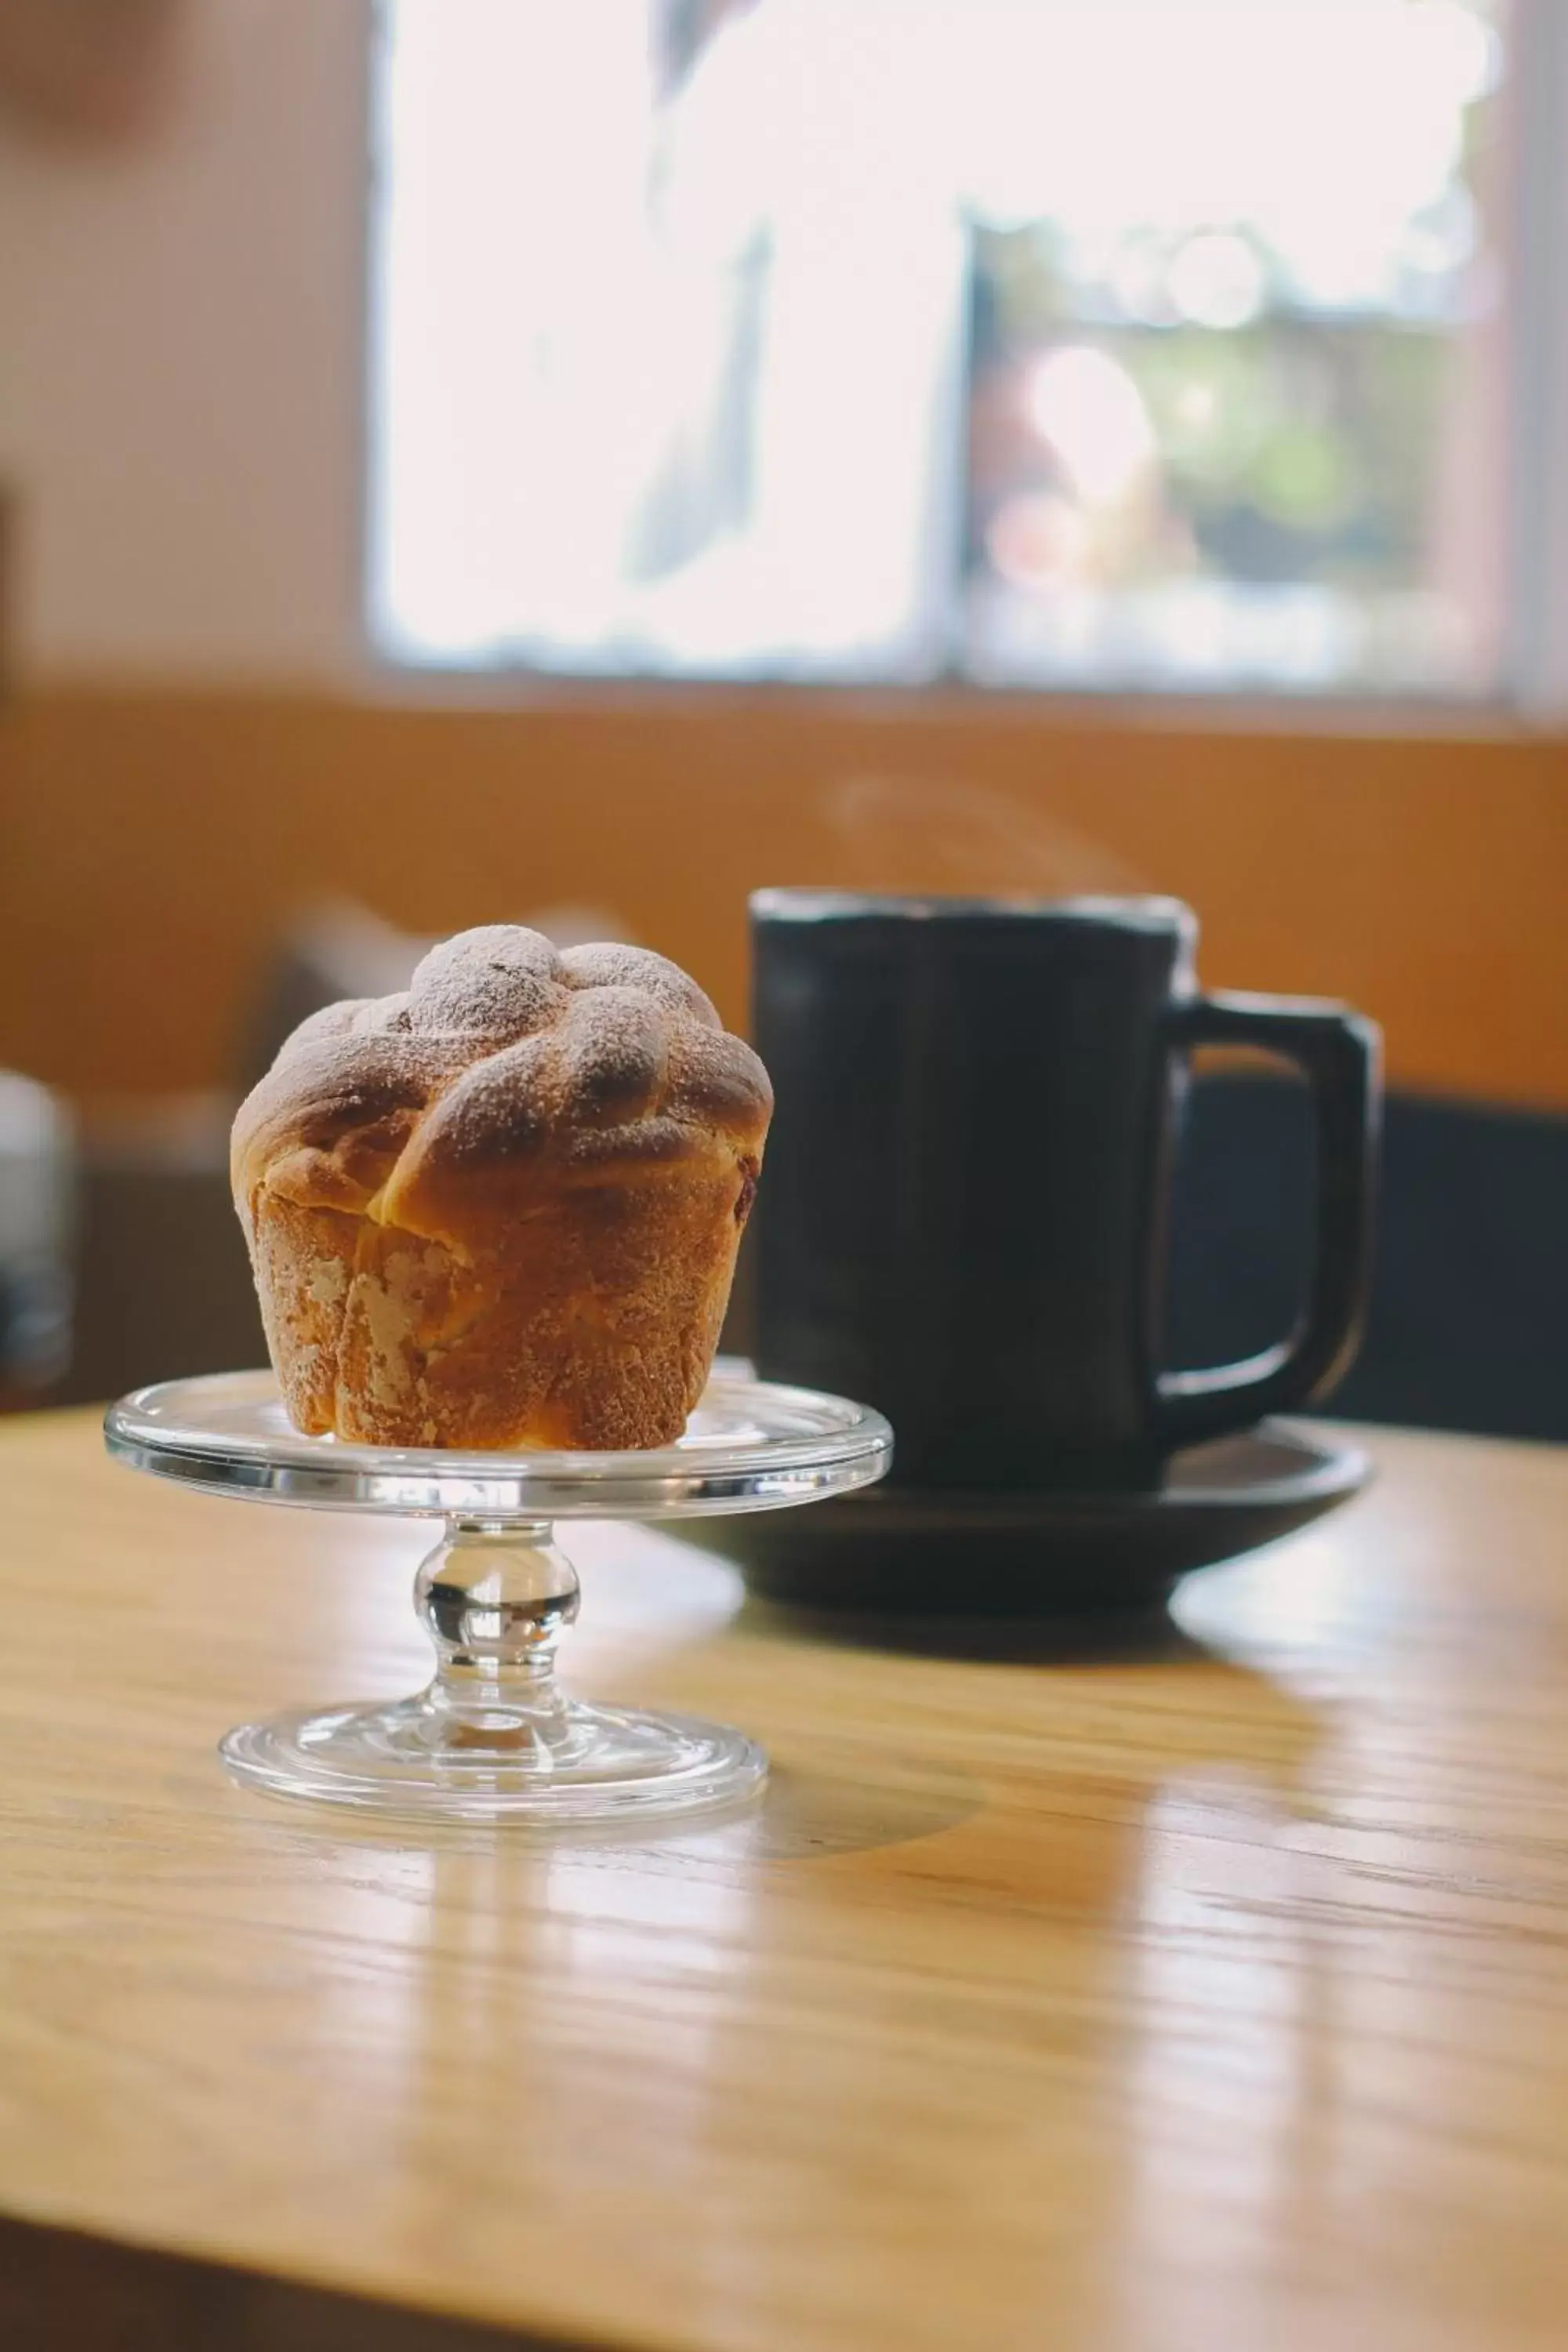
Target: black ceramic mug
[(963, 1217)]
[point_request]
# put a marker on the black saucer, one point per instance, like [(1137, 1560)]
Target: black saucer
[(894, 1551)]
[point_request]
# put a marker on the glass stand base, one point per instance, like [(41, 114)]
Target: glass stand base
[(562, 1763), (494, 1737)]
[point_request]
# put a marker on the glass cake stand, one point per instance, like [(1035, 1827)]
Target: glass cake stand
[(492, 1737)]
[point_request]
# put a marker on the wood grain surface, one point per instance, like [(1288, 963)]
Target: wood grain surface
[(1206, 1991)]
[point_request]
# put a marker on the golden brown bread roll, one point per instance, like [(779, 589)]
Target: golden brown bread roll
[(501, 1209)]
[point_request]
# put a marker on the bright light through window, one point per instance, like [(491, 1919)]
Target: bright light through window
[(1097, 344)]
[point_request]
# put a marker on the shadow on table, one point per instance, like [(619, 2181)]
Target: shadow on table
[(1146, 1636)]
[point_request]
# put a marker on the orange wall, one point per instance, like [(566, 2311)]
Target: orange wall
[(150, 841)]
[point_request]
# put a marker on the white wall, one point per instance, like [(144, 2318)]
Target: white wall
[(180, 365)]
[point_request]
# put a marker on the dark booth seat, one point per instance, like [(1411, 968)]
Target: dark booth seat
[(1468, 1327)]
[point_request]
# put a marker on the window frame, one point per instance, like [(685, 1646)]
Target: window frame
[(1530, 695)]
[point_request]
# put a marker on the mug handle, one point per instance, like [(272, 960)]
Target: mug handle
[(1339, 1052)]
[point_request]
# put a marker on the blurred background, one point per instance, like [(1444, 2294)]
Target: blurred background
[(470, 460)]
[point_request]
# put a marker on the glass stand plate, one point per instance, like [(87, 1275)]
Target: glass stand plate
[(492, 1737)]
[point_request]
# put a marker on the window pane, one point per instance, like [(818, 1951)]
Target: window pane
[(1078, 342)]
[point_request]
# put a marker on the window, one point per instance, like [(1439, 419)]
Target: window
[(1105, 344)]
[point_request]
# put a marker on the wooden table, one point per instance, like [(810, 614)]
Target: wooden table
[(1211, 1995)]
